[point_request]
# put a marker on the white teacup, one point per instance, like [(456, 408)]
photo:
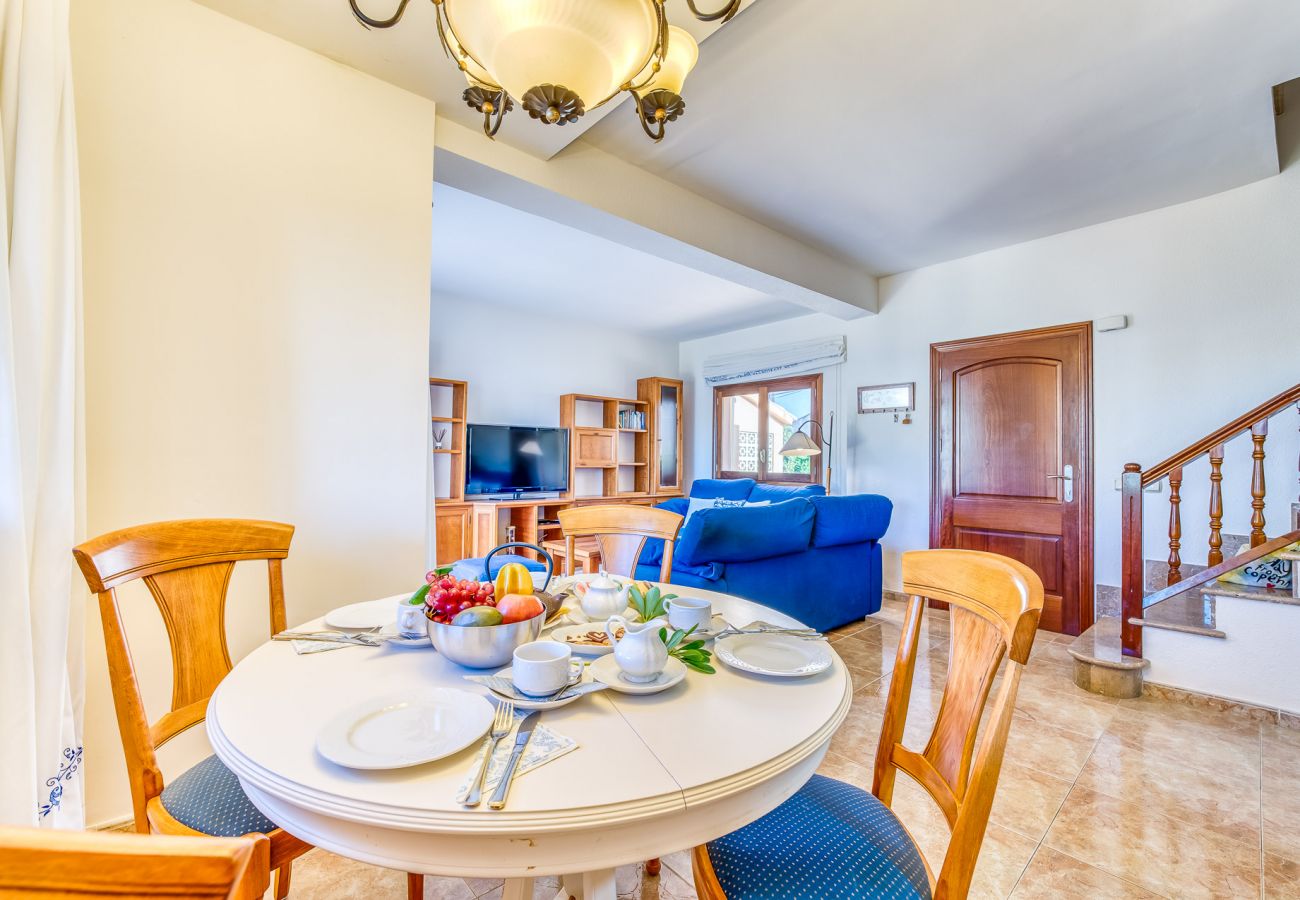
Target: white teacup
[(684, 612), (542, 667)]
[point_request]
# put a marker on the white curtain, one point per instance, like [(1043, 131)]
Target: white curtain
[(776, 362), (41, 458)]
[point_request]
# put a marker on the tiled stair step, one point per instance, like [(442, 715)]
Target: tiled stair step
[(1100, 665), (1192, 612)]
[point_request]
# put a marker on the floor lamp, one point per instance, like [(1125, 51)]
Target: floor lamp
[(802, 443)]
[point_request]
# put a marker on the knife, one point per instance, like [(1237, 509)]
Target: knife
[(521, 741)]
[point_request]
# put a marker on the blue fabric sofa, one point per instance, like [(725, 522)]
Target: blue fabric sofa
[(813, 557)]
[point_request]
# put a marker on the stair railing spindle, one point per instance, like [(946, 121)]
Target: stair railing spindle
[(1258, 432), (1216, 506), (1175, 526)]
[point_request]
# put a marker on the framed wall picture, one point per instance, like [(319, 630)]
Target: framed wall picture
[(886, 398)]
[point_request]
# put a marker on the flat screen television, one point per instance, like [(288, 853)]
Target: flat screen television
[(511, 459)]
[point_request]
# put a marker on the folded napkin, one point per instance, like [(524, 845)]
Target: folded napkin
[(506, 688), (544, 746)]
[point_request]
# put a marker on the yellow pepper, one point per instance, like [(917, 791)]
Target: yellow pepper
[(513, 578)]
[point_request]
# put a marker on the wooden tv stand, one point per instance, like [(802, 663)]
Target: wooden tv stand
[(491, 519)]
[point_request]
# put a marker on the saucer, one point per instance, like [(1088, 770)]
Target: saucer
[(606, 671), (540, 704)]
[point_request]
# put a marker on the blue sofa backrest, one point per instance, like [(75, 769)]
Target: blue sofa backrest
[(748, 489)]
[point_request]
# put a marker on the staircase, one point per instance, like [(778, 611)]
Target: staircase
[(1181, 626)]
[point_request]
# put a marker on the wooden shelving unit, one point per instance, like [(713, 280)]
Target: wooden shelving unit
[(620, 450), (606, 457)]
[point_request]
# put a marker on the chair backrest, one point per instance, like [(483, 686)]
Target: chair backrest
[(621, 533), (995, 604), (38, 862), (186, 566)]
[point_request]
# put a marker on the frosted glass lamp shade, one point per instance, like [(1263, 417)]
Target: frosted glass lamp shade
[(591, 47), (682, 55)]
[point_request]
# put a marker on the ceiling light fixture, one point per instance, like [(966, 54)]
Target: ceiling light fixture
[(559, 58)]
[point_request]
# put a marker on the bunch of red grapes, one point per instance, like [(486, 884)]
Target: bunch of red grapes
[(448, 596)]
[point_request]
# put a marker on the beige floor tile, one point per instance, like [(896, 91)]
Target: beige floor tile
[(1281, 878), (1200, 745), (1047, 748), (1071, 712), (1223, 801), (325, 876), (1055, 876), (1027, 800), (866, 660), (1223, 723), (855, 770), (1165, 855), (1003, 855)]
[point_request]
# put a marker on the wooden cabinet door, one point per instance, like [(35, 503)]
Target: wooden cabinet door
[(1012, 458), (595, 447), (664, 403), (452, 532)]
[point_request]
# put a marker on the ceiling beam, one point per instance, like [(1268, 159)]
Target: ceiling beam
[(599, 193)]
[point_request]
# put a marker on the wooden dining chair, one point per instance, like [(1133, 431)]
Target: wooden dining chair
[(44, 863), (622, 532), (833, 840), (186, 565)]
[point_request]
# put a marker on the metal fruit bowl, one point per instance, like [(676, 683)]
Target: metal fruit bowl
[(483, 646)]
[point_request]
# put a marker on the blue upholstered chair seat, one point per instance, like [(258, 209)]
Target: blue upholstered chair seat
[(209, 798), (831, 840)]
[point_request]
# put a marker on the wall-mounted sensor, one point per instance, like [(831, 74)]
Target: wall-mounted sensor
[(1112, 323)]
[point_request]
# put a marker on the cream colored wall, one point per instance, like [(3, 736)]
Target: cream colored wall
[(257, 240)]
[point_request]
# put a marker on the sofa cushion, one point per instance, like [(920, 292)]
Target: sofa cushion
[(737, 534), (726, 488), (778, 492), (652, 554), (850, 520)]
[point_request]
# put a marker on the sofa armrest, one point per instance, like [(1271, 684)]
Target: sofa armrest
[(851, 519)]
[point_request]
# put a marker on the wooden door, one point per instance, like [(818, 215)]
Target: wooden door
[(1011, 455)]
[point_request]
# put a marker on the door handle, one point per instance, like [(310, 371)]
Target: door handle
[(1068, 477)]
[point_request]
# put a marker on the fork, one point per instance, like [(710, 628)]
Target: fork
[(501, 725)]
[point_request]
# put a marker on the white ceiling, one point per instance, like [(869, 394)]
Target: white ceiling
[(484, 251), (899, 133), (891, 133)]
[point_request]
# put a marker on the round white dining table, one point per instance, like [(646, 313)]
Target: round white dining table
[(651, 774)]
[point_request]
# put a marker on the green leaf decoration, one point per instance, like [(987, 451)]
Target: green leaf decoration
[(648, 604), (418, 597), (691, 653)]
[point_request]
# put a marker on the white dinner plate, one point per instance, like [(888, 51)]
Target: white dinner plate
[(606, 671), (780, 655), (365, 615), (405, 729), (564, 632)]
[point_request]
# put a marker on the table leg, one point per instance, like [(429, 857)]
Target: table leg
[(599, 885), (518, 889)]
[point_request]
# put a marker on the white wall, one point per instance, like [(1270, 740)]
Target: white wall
[(1212, 291), (518, 362), (257, 233)]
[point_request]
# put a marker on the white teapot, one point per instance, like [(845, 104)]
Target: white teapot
[(604, 598), (641, 654)]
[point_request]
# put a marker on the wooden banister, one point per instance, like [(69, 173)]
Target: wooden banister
[(1222, 435), (1134, 480)]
